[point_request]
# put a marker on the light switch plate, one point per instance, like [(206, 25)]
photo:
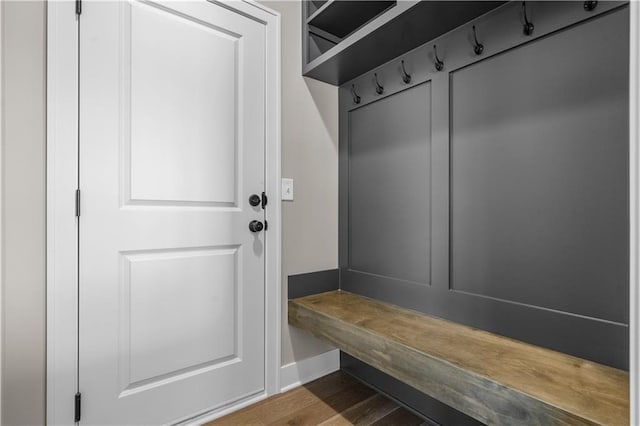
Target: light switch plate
[(287, 189)]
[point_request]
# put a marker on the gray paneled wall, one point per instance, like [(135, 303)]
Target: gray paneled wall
[(494, 192), (390, 143), (538, 173)]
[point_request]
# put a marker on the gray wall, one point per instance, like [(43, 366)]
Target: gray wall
[(310, 157), (513, 202), (23, 166)]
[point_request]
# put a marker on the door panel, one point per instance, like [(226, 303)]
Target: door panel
[(171, 279), (200, 286), (183, 109)]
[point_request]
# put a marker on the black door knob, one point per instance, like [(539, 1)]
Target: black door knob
[(254, 200), (255, 226)]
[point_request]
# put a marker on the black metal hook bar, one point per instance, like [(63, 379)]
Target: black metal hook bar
[(589, 5), (478, 47), (379, 88), (406, 77), (439, 63), (356, 98), (527, 29)]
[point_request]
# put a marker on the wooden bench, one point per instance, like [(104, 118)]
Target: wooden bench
[(491, 378)]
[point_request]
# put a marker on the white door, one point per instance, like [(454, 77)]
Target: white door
[(172, 144)]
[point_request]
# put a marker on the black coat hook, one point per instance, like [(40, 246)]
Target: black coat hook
[(589, 5), (478, 47), (439, 63), (527, 29), (379, 88), (356, 98), (406, 77)]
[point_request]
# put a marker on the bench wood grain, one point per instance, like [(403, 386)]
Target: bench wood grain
[(491, 378)]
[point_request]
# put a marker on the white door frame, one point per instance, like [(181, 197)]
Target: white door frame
[(62, 181), (1, 201)]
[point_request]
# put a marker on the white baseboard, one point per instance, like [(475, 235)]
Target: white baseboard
[(301, 372)]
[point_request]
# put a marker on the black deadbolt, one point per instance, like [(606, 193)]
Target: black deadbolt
[(255, 226), (254, 200)]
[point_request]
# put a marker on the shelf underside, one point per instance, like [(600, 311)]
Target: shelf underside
[(341, 18), (377, 43)]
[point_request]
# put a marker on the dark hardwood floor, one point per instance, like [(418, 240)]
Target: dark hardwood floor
[(336, 399)]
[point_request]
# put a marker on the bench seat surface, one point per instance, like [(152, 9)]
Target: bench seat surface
[(491, 378)]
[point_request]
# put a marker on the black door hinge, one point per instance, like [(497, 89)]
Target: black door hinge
[(77, 410), (266, 225), (264, 200), (78, 7), (77, 203)]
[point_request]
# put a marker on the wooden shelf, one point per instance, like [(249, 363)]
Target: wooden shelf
[(341, 18), (393, 32), (491, 378)]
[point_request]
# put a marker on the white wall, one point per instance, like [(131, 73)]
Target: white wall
[(23, 166), (310, 157)]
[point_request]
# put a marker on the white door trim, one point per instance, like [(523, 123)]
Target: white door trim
[(634, 212), (1, 200), (62, 181)]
